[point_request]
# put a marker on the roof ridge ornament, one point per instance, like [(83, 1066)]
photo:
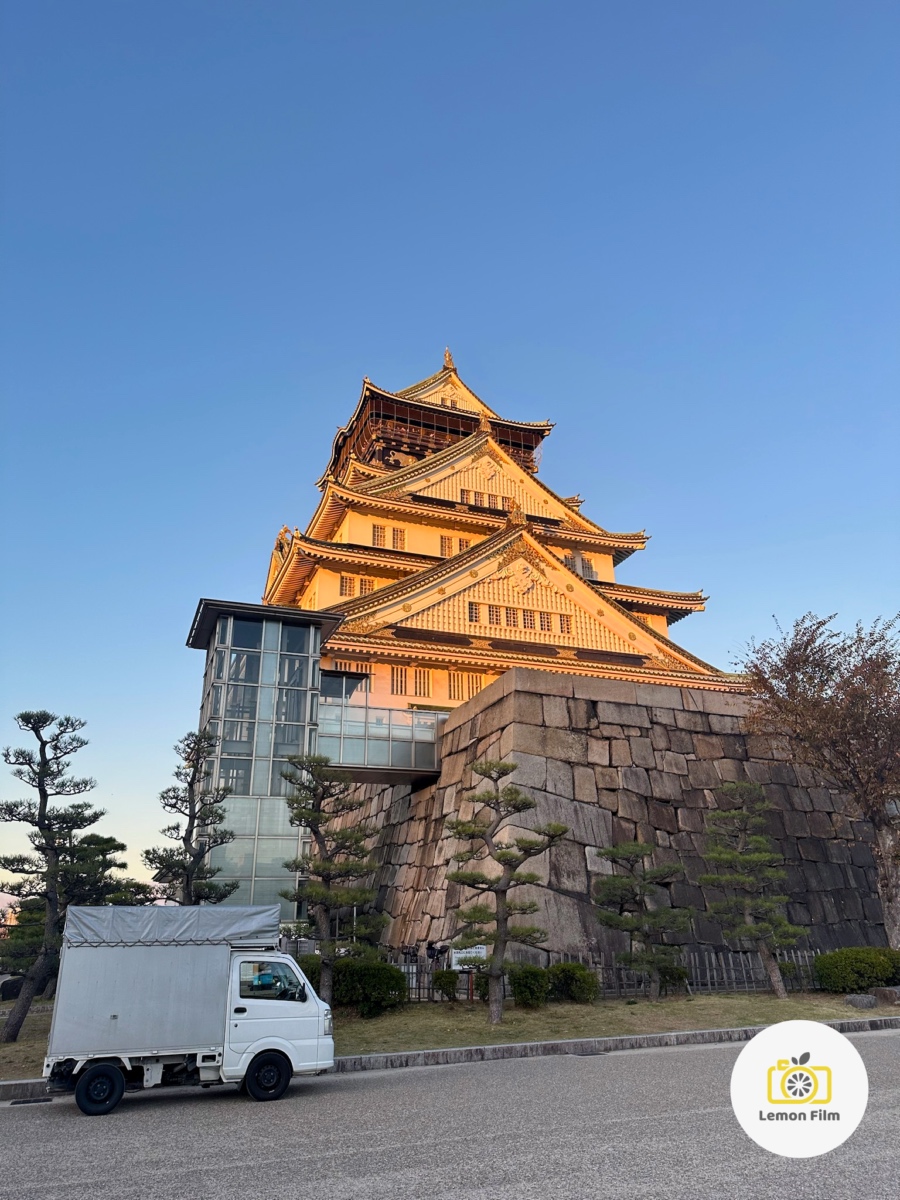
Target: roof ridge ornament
[(484, 423), (516, 517), (448, 360)]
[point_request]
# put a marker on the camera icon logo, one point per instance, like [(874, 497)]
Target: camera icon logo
[(795, 1082)]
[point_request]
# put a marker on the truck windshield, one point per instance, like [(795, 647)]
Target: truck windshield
[(270, 981)]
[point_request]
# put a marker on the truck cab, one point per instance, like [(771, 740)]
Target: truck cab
[(164, 996)]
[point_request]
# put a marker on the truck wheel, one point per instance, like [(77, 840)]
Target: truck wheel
[(99, 1089), (268, 1076)]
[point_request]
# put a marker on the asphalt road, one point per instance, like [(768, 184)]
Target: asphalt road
[(648, 1124)]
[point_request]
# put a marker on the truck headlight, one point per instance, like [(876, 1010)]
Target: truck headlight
[(328, 1020)]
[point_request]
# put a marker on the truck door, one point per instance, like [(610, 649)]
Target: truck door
[(269, 1003)]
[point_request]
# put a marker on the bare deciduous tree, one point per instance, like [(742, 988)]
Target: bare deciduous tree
[(837, 696)]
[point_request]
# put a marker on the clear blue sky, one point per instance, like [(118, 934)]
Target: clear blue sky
[(670, 227)]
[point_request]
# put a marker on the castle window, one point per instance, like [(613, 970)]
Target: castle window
[(512, 616), (478, 499), (546, 623), (493, 501), (569, 560), (528, 619), (398, 681), (587, 569), (506, 503), (366, 586), (474, 612), (463, 685), (378, 535), (464, 544), (422, 681), (399, 539), (348, 585), (565, 623), (465, 496), (446, 546), (493, 614)]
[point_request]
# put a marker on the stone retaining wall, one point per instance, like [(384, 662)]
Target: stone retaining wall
[(616, 762)]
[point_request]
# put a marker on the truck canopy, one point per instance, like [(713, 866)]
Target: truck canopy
[(161, 925)]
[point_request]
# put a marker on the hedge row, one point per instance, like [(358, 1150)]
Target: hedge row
[(366, 984)]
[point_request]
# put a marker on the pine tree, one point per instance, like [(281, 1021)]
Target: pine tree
[(632, 902), (748, 870), (182, 872), (488, 921), (54, 829), (321, 800)]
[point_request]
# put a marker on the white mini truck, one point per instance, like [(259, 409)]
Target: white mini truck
[(161, 996)]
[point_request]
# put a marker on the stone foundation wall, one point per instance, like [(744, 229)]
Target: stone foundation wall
[(616, 762)]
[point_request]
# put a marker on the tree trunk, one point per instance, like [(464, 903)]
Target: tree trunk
[(50, 990), (770, 962), (654, 985), (36, 979), (495, 998), (886, 852), (326, 952)]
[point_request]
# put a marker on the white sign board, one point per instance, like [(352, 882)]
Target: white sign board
[(464, 958)]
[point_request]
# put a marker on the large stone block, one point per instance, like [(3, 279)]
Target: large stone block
[(556, 714), (585, 784), (598, 751), (581, 714), (531, 770), (619, 753), (696, 722), (659, 694), (635, 779), (614, 691), (606, 777), (662, 816), (642, 752), (622, 714), (632, 807), (559, 778), (664, 786)]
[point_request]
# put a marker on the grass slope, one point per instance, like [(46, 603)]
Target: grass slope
[(434, 1026)]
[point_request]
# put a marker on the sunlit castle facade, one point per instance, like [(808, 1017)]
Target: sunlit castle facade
[(451, 562)]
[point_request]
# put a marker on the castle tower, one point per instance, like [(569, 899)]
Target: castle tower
[(451, 561)]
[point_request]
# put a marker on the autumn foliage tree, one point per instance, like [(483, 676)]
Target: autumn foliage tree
[(837, 697), (492, 867)]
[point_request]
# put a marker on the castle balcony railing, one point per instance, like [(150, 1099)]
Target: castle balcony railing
[(373, 743)]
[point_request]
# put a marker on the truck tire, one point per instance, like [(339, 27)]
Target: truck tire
[(268, 1076), (99, 1089)]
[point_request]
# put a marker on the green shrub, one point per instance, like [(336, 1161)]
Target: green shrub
[(445, 983), (529, 985), (572, 983), (481, 985), (311, 966), (367, 984), (858, 968)]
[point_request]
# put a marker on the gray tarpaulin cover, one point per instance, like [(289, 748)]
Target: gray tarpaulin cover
[(161, 925)]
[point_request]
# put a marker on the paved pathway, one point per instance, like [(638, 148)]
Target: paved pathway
[(649, 1124)]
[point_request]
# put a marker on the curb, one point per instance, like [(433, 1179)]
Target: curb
[(579, 1046), (33, 1089)]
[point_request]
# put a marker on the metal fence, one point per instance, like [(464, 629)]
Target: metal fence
[(707, 971)]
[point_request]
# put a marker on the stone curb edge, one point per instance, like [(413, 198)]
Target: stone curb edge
[(33, 1089), (580, 1046)]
